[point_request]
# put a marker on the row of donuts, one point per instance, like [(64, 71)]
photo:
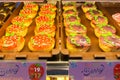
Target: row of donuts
[(45, 30), (76, 32), (14, 40)]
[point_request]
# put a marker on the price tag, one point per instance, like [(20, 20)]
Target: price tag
[(94, 70), (36, 71), (23, 70)]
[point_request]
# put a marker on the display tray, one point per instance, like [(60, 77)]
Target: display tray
[(6, 10), (26, 53), (94, 52)]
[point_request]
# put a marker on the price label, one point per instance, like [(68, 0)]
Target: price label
[(36, 71), (94, 70), (23, 70)]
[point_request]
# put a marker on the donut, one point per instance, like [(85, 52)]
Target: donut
[(70, 12), (14, 29), (78, 42), (75, 29), (28, 13), (41, 43), (109, 42), (99, 20), (92, 13), (104, 30), (22, 21), (88, 6), (31, 5), (69, 5), (49, 13), (45, 30), (11, 43), (48, 6), (71, 19), (40, 20)]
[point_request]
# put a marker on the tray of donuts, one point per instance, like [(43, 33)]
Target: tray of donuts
[(31, 32), (5, 11), (89, 32)]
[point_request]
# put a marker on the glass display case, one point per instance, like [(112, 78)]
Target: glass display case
[(75, 40)]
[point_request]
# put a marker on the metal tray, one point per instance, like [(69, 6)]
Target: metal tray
[(94, 52), (26, 53)]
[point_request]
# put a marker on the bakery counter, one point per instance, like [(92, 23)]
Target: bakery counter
[(26, 53), (94, 52)]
